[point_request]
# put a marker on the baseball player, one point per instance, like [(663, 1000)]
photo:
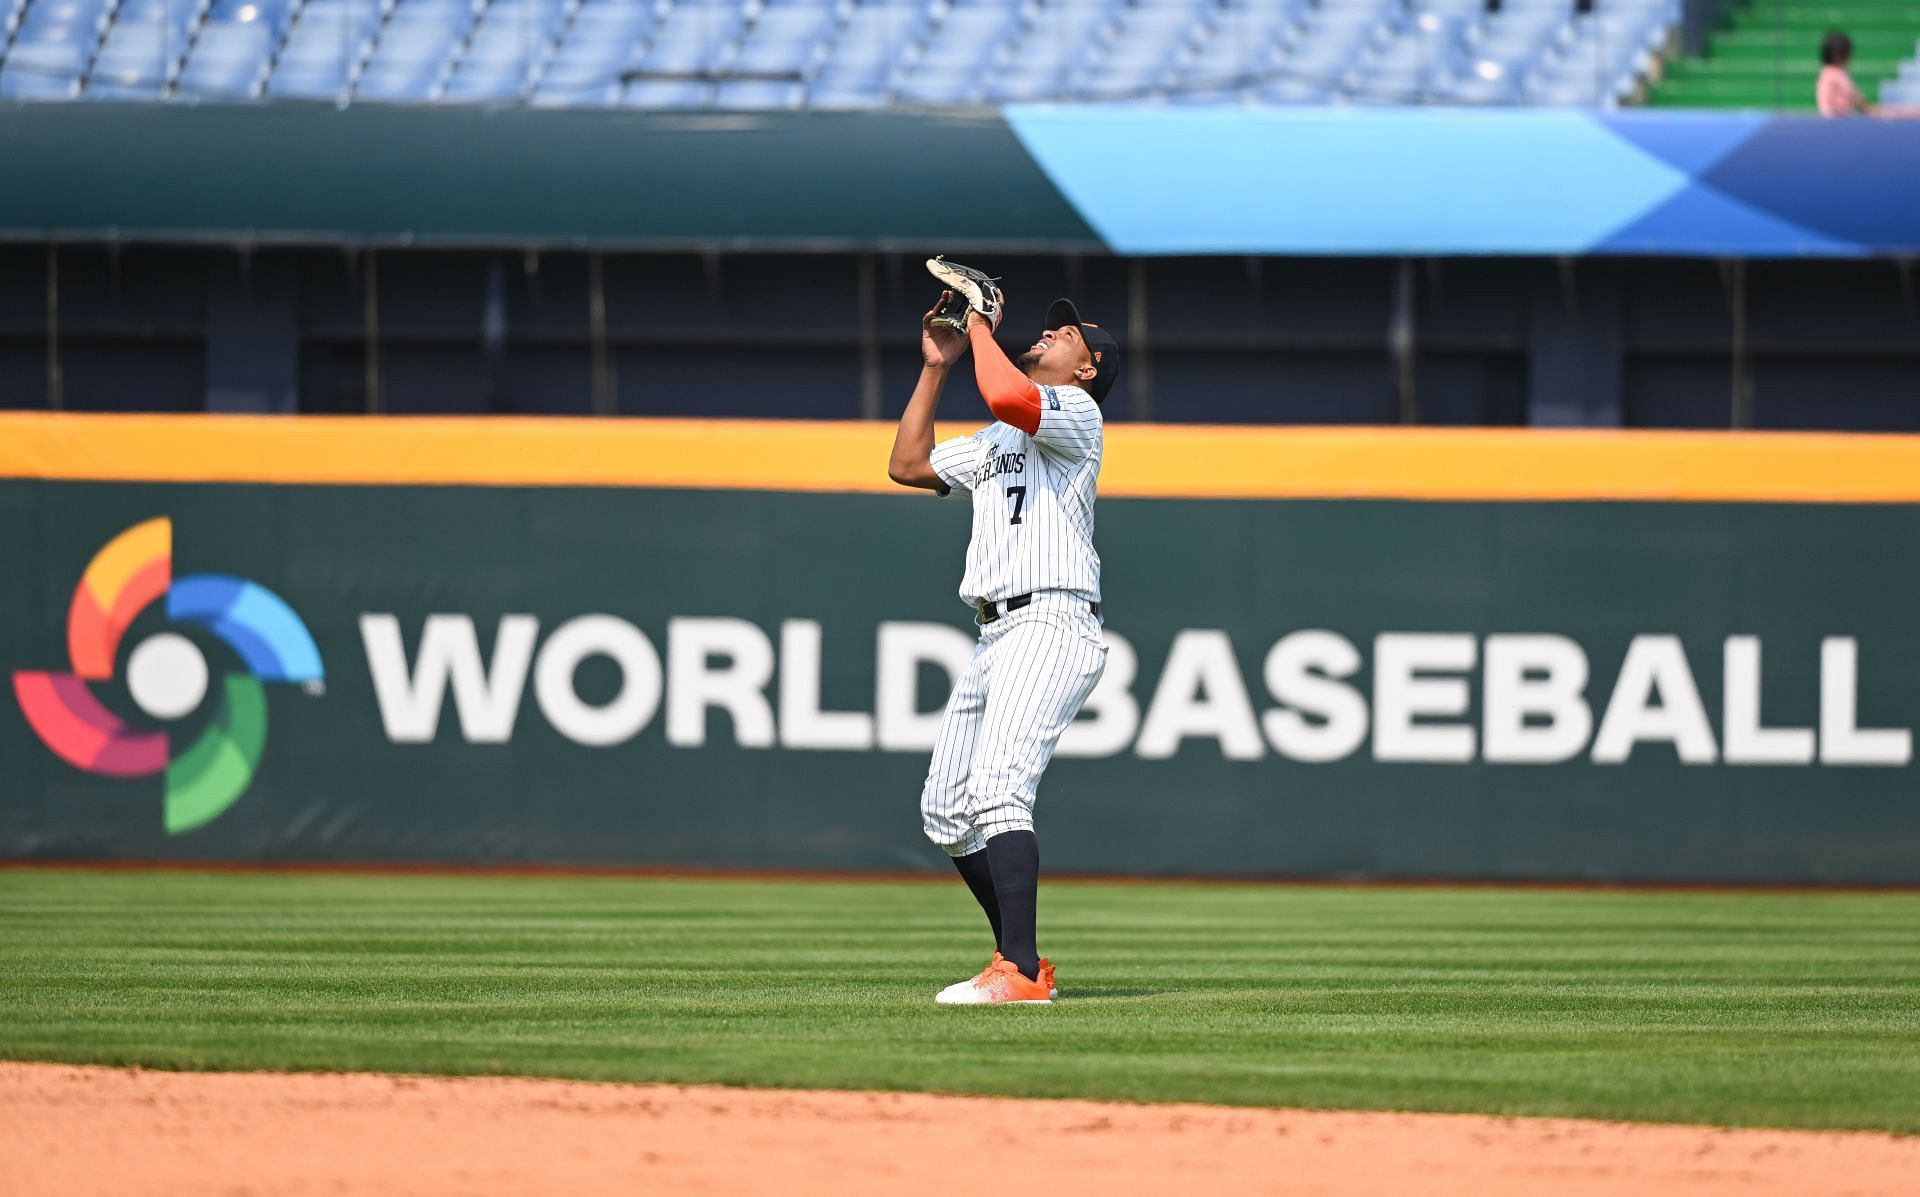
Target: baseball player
[(1033, 581)]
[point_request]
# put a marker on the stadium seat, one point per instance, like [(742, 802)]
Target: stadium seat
[(646, 94), (879, 32), (838, 76), (790, 39), (710, 25), (1241, 45), (270, 15), (602, 41), (406, 61), (1900, 91), (228, 61), (133, 62), (967, 39), (611, 19), (40, 15), (327, 40), (171, 22), (856, 69), (581, 74), (1074, 25), (758, 95), (1488, 85), (953, 86), (43, 70), (510, 41), (1127, 70), (1293, 91)]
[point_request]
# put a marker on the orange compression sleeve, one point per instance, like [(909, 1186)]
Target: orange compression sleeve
[(1011, 395)]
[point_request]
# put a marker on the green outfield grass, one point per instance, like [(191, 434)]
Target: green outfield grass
[(1746, 1009)]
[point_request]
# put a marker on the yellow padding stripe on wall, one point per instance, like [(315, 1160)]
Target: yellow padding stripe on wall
[(1142, 461)]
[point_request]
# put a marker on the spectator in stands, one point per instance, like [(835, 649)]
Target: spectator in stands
[(1834, 92)]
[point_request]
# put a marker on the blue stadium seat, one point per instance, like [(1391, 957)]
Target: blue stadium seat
[(172, 20), (1243, 43), (43, 70), (485, 83), (848, 85), (445, 16), (356, 17), (789, 39), (1454, 10), (1293, 91), (308, 83), (618, 19), (579, 79), (44, 14), (133, 62), (601, 42), (1188, 93), (407, 60), (1127, 69), (968, 38), (271, 15), (1074, 24), (326, 42), (856, 69), (962, 85), (1330, 53), (709, 25), (228, 60), (770, 56), (1901, 90), (53, 45), (398, 80), (1173, 25), (1491, 85), (1227, 57), (753, 95), (879, 32), (512, 39), (1408, 62), (666, 95)]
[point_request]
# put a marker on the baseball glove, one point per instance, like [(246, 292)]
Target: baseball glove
[(971, 290)]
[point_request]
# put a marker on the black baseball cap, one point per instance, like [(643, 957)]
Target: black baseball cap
[(1106, 350)]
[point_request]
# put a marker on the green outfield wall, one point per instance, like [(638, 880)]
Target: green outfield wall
[(1617, 688), (1123, 178)]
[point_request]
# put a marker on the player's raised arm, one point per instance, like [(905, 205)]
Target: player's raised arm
[(912, 461), (1011, 396)]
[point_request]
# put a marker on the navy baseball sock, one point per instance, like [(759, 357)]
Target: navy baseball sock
[(978, 875), (1015, 857)]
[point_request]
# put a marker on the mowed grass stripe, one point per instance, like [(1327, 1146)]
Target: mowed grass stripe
[(1729, 1008)]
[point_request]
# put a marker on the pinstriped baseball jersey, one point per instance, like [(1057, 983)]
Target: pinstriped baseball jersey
[(1032, 500)]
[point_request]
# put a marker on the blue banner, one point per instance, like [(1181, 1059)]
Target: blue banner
[(1158, 180)]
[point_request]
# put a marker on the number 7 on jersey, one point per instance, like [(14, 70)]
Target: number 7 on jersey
[(1019, 496)]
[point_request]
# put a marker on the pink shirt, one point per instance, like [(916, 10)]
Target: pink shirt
[(1836, 94)]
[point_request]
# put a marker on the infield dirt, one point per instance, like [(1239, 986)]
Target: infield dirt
[(75, 1130)]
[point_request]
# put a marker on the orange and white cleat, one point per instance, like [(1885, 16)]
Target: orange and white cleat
[(950, 996), (1000, 984)]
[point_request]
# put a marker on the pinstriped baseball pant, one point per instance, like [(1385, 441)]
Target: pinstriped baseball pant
[(1030, 672)]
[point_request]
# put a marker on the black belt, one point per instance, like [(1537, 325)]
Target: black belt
[(989, 612)]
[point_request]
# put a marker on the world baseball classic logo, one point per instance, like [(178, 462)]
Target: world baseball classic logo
[(167, 675)]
